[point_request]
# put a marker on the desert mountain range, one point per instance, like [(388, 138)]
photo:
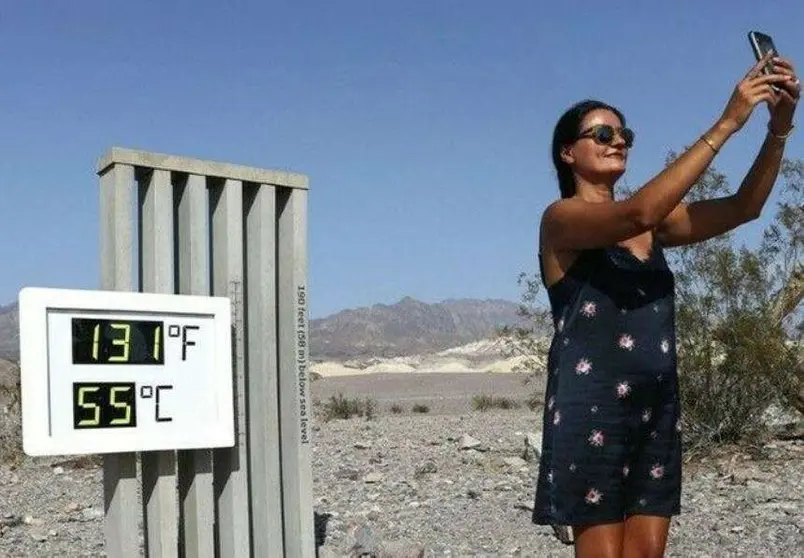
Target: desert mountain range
[(409, 335), (408, 327)]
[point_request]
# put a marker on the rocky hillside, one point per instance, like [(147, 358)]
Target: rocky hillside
[(9, 332), (408, 327)]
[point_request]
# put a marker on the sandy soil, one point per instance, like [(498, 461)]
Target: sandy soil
[(443, 393)]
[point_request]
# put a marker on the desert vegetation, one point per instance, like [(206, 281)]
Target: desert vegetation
[(341, 407), (485, 402)]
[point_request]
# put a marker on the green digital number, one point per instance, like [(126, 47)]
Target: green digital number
[(157, 337), (104, 405), (89, 406), (95, 342), (125, 342), (120, 405)]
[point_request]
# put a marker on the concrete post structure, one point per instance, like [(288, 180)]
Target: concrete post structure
[(187, 226)]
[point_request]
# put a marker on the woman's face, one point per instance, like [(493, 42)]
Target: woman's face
[(592, 158)]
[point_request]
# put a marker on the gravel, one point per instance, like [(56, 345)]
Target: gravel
[(449, 501), (437, 485)]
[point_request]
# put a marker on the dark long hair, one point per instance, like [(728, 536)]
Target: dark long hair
[(566, 131)]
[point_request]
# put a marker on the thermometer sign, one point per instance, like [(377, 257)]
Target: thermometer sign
[(106, 371)]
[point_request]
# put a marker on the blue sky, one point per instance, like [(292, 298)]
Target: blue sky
[(424, 126)]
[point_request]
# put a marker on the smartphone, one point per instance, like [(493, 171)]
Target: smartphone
[(761, 44)]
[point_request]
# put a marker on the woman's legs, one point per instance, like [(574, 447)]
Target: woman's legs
[(599, 541), (645, 536), (640, 536)]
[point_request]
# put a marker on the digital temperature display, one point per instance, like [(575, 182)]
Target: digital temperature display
[(117, 341), (104, 404)]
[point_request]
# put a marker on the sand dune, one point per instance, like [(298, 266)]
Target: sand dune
[(481, 356)]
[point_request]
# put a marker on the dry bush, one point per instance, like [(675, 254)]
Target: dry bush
[(485, 402), (339, 407), (739, 322), (535, 401), (727, 384)]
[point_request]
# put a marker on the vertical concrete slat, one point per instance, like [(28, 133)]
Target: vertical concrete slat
[(294, 385), (230, 467), (120, 491), (197, 509), (263, 409), (160, 499)]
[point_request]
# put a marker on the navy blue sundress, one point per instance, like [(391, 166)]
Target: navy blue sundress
[(611, 432)]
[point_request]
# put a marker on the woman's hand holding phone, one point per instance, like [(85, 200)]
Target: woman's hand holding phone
[(783, 106), (754, 88)]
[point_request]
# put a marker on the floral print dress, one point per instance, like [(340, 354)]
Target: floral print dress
[(611, 432)]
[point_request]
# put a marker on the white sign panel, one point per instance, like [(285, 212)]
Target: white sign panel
[(110, 371)]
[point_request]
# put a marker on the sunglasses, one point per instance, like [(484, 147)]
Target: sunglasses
[(603, 134)]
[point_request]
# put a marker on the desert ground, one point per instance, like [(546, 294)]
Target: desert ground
[(447, 393), (449, 482)]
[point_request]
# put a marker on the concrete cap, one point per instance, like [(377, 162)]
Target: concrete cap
[(145, 159)]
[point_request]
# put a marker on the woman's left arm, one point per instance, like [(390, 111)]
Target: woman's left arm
[(694, 222)]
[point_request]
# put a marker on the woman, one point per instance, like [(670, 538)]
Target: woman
[(611, 459)]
